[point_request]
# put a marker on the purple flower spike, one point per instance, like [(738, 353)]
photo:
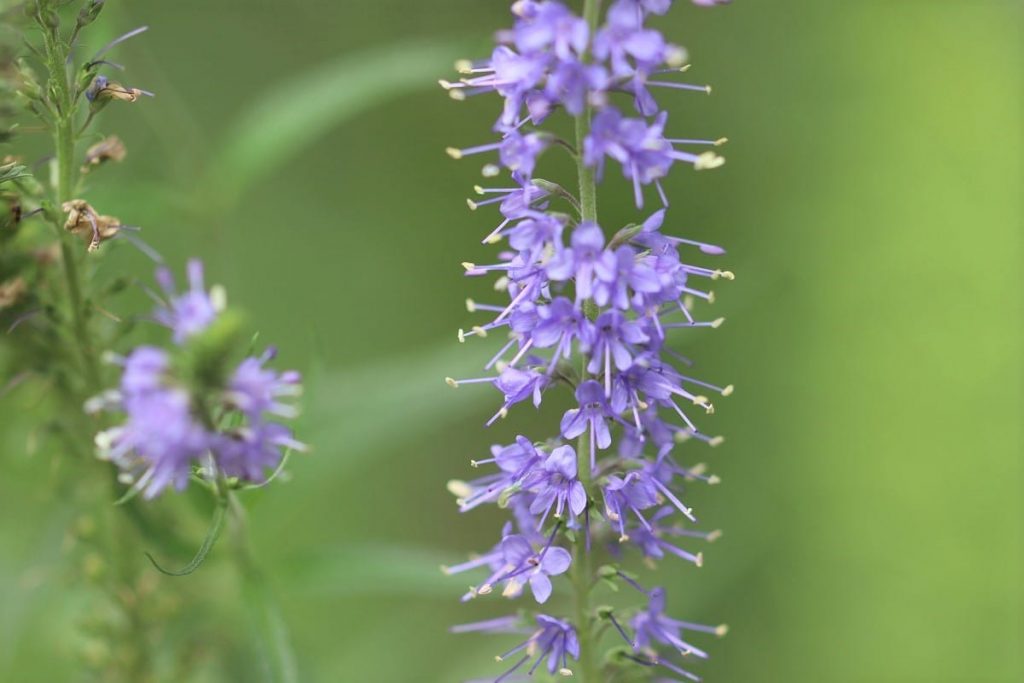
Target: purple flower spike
[(588, 310)]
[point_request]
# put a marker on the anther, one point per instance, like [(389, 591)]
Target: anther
[(464, 66), (721, 630), (470, 305), (699, 560), (708, 160), (714, 479), (490, 170), (565, 672), (453, 152), (478, 189), (481, 332), (721, 141), (716, 441), (451, 382), (728, 390), (457, 487), (462, 336), (717, 323), (469, 265), (471, 204)]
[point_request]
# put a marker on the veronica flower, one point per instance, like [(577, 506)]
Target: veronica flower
[(555, 641), (653, 627), (556, 484), (255, 389), (524, 565), (160, 440), (192, 311), (174, 430), (588, 312)]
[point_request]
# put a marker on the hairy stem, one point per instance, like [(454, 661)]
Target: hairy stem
[(582, 566), (64, 148)]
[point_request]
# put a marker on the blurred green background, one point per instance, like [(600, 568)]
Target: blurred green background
[(872, 209)]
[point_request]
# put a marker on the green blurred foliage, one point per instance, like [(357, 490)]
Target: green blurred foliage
[(871, 204)]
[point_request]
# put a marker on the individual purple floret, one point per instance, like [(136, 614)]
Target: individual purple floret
[(192, 311), (256, 389), (556, 485), (555, 642)]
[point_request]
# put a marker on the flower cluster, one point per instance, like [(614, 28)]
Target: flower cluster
[(186, 411), (552, 60), (593, 313)]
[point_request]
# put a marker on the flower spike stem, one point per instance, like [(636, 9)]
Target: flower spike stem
[(266, 618), (582, 571), (64, 145), (211, 537)]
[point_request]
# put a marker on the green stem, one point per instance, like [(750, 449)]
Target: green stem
[(64, 144), (582, 566), (275, 642)]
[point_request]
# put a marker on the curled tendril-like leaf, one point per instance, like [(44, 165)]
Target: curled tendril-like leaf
[(211, 537), (273, 475)]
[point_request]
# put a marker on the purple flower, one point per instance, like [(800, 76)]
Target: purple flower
[(654, 627), (555, 641), (556, 484), (191, 312), (550, 26), (609, 341), (574, 84), (619, 272), (651, 539), (144, 371), (641, 148), (579, 261), (629, 494), (627, 44), (160, 440), (170, 433), (559, 323), (588, 312), (524, 565), (249, 452), (256, 389), (519, 152), (592, 415)]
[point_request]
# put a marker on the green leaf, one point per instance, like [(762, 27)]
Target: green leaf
[(291, 115), (9, 172)]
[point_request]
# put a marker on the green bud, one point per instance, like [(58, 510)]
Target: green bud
[(89, 12), (205, 359), (507, 494), (29, 83), (625, 235)]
